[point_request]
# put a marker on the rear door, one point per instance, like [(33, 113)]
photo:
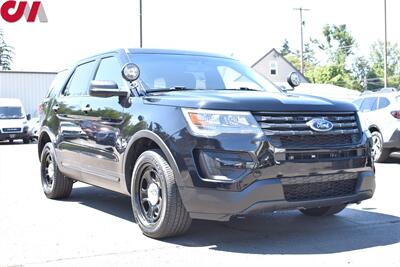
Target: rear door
[(103, 120), (69, 113)]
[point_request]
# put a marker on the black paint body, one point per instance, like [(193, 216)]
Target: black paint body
[(96, 139)]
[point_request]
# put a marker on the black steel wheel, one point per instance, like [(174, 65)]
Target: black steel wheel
[(156, 203), (55, 185)]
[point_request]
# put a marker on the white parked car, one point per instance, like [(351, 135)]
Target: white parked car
[(381, 112), (13, 120)]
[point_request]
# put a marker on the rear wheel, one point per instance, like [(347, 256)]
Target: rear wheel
[(156, 203), (55, 185), (379, 153), (11, 141), (323, 211), (26, 140)]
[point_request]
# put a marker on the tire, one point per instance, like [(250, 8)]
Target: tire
[(379, 154), (156, 202), (55, 185), (323, 211), (26, 140), (11, 141)]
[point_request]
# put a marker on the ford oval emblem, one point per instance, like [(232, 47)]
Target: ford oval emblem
[(320, 125)]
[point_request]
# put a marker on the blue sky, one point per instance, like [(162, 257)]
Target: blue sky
[(246, 29)]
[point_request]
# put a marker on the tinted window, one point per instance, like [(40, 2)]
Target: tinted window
[(383, 102), (79, 82), (57, 84), (369, 104), (197, 72), (109, 70)]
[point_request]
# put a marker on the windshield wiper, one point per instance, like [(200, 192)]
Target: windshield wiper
[(242, 89), (175, 88)]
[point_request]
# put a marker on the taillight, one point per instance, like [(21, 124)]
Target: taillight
[(396, 114)]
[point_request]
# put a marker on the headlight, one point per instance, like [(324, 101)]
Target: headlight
[(215, 122)]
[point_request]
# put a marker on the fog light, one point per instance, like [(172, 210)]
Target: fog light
[(224, 166)]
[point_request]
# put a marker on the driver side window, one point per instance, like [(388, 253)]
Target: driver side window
[(110, 70)]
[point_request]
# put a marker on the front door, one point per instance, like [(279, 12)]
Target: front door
[(103, 123)]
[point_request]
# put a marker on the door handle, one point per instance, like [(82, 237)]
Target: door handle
[(55, 108), (87, 108)]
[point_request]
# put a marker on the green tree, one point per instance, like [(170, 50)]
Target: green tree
[(360, 70), (376, 71), (6, 53), (285, 50), (338, 44)]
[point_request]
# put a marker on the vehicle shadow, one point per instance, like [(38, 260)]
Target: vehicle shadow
[(286, 232)]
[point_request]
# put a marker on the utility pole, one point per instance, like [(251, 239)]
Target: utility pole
[(301, 37), (141, 23), (385, 78)]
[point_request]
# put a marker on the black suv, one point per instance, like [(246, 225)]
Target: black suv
[(191, 135)]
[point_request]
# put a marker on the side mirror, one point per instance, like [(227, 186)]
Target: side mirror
[(106, 89), (293, 79), (28, 117)]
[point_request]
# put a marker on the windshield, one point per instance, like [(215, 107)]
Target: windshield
[(10, 113), (165, 71)]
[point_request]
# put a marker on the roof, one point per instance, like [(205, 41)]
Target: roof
[(273, 50), (10, 102), (173, 52), (157, 51)]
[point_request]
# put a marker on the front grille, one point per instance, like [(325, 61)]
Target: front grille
[(319, 187), (11, 130), (289, 130)]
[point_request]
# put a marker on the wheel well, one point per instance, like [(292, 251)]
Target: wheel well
[(43, 140), (141, 145), (373, 129)]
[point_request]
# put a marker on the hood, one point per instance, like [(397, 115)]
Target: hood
[(246, 101), (12, 123)]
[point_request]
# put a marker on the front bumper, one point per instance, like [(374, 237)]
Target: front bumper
[(264, 196), (13, 136)]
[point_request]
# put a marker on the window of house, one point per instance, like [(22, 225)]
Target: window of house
[(273, 68)]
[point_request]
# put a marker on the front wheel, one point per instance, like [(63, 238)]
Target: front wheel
[(323, 211), (156, 202), (55, 185)]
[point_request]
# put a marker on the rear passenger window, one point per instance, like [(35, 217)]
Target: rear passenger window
[(110, 70), (369, 104), (79, 82), (383, 102)]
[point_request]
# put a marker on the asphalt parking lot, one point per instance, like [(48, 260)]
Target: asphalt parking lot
[(95, 228)]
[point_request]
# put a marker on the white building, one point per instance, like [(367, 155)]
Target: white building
[(29, 87), (276, 67)]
